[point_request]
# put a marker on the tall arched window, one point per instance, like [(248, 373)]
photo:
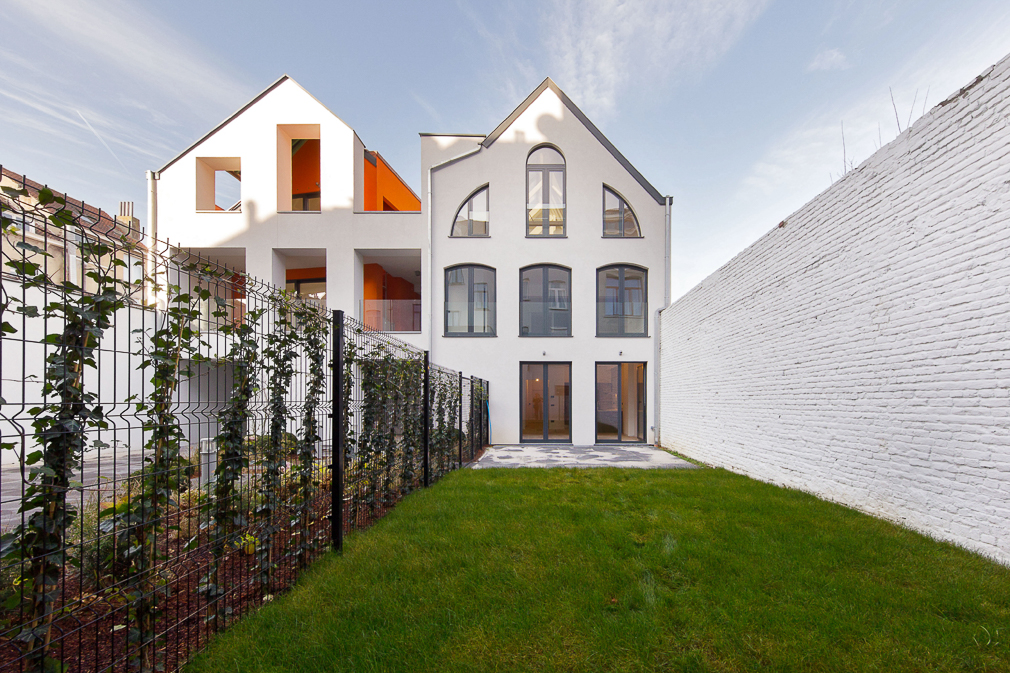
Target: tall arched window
[(545, 304), (472, 216), (470, 301), (545, 189), (622, 300), (619, 220)]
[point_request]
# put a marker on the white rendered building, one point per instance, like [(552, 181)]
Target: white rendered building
[(536, 258)]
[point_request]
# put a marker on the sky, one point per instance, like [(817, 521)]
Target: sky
[(736, 108)]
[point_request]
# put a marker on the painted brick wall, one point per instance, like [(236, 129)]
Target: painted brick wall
[(861, 351)]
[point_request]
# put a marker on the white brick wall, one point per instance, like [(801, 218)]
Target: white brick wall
[(861, 352)]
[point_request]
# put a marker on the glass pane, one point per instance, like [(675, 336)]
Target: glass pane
[(314, 290), (611, 214), (559, 425), (531, 305), (461, 227), (608, 305), (457, 298), (313, 203), (634, 301), (536, 188), (483, 301), (546, 155), (557, 192), (606, 403), (478, 213), (559, 307), (630, 223), (532, 393), (632, 402)]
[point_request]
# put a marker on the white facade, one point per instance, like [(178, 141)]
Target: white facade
[(269, 241)]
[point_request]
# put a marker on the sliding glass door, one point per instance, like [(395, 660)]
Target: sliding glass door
[(545, 404), (620, 402)]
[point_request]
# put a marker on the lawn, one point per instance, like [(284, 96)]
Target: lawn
[(625, 570)]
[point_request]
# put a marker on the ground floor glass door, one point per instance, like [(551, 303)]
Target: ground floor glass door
[(620, 401), (545, 404)]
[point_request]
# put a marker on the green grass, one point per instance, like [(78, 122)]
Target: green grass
[(623, 570)]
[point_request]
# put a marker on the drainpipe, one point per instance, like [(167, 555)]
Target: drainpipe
[(431, 269), (658, 345), (151, 232)]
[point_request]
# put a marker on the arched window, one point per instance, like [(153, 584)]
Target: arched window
[(469, 301), (472, 216), (545, 304), (622, 300), (619, 220), (545, 189)]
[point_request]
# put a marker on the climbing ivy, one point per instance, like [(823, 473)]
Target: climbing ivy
[(60, 425)]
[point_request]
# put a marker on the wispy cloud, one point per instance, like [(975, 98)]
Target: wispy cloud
[(829, 59), (427, 107), (599, 48), (157, 90)]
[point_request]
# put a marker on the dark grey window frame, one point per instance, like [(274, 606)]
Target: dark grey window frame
[(624, 204), (620, 417), (620, 293), (544, 170), (545, 295), (469, 317), (466, 204)]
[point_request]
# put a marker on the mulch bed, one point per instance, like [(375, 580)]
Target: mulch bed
[(91, 633)]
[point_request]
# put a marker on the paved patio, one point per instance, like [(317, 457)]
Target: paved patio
[(525, 455)]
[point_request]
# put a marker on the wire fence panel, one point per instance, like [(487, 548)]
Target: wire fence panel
[(170, 429)]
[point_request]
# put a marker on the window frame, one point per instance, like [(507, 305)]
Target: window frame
[(545, 295), (620, 400), (622, 202), (544, 170), (466, 204), (470, 303), (620, 293)]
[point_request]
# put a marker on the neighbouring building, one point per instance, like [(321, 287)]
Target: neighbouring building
[(538, 257)]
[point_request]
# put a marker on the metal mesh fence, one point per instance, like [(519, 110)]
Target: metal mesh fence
[(169, 428)]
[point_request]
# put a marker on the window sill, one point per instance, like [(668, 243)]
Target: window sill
[(611, 238), (482, 236), (298, 212), (534, 236), (470, 335), (219, 212), (545, 336), (622, 336)]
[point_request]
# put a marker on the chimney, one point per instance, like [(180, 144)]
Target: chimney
[(126, 218)]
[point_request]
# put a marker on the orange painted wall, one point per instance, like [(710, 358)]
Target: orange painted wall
[(305, 274), (396, 288), (305, 168), (381, 183)]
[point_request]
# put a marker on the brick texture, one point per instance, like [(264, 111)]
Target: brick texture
[(861, 352)]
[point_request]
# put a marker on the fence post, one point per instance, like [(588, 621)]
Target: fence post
[(337, 432), (473, 427), (487, 412), (427, 419), (459, 437)]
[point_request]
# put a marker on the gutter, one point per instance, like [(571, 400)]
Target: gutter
[(431, 269)]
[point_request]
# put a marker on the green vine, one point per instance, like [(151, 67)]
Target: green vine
[(60, 425), (314, 331), (282, 342)]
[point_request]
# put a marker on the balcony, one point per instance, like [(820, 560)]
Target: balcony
[(393, 315)]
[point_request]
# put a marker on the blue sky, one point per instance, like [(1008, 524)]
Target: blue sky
[(734, 107)]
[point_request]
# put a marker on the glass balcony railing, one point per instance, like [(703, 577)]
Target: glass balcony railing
[(393, 315)]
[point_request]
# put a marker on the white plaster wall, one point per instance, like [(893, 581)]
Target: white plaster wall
[(860, 352), (503, 166), (260, 229)]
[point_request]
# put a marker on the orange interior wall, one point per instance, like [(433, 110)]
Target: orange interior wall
[(303, 274), (396, 287), (382, 183), (305, 168)]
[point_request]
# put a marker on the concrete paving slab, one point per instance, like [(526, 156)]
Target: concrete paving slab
[(546, 455)]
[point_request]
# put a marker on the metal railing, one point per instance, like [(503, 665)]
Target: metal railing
[(180, 439)]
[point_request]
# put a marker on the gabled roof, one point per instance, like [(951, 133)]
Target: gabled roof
[(245, 107), (549, 84)]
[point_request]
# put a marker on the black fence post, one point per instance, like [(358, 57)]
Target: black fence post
[(427, 420), (473, 426), (487, 412), (459, 437), (337, 432)]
